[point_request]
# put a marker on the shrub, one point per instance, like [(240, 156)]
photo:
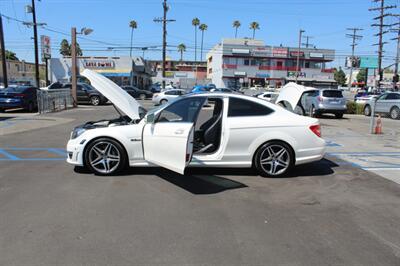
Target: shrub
[(355, 108)]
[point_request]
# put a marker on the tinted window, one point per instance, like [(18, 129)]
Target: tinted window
[(56, 85), (393, 96), (170, 93), (332, 94), (240, 107), (15, 89), (181, 111)]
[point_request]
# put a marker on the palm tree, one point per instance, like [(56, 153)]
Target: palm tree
[(181, 49), (195, 23), (203, 27), (254, 26), (236, 24), (133, 26)]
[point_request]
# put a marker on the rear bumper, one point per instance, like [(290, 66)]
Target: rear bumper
[(331, 110), (9, 105), (309, 155)]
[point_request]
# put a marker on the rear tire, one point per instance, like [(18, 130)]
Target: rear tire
[(274, 159), (95, 100), (367, 110), (105, 156), (339, 116), (395, 113), (163, 101)]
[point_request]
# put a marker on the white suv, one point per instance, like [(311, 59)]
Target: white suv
[(388, 104)]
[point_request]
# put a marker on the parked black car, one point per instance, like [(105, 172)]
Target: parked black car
[(85, 93), (137, 93), (18, 97)]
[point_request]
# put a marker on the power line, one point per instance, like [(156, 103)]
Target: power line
[(354, 38)]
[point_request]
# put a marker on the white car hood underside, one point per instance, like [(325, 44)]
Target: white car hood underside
[(115, 94)]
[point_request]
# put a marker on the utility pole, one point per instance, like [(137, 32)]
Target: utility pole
[(382, 8), (164, 21), (307, 44), (396, 65), (353, 45), (3, 53), (74, 67), (298, 54), (35, 38)]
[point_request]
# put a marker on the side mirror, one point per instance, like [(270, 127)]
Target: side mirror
[(150, 119)]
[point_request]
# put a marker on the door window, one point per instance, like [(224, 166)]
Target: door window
[(393, 96), (185, 110)]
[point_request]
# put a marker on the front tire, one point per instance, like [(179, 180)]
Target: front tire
[(105, 156), (367, 110), (274, 159), (163, 101), (395, 113), (339, 116)]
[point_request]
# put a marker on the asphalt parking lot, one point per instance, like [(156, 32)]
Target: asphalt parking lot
[(343, 210)]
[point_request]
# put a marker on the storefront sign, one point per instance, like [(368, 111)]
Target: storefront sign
[(262, 75), (280, 52), (98, 64), (240, 51), (261, 52), (292, 74), (169, 74), (239, 74), (45, 47), (297, 53), (316, 55), (181, 75)]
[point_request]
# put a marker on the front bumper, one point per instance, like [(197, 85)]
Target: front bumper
[(75, 152)]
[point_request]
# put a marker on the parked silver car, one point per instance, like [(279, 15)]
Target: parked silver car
[(318, 102), (387, 104)]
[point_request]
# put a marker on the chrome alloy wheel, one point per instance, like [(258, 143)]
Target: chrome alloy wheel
[(104, 157), (275, 159)]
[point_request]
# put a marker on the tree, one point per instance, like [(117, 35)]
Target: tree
[(133, 26), (362, 75), (254, 26), (203, 27), (340, 76), (195, 23), (236, 24), (65, 49), (181, 49), (10, 55)]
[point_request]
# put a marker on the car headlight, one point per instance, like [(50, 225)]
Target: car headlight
[(77, 132)]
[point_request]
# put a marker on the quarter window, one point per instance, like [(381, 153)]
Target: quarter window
[(240, 107)]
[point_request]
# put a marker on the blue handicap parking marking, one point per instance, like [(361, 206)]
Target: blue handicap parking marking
[(371, 160), (331, 143), (12, 154)]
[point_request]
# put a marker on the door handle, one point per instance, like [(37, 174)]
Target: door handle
[(179, 131)]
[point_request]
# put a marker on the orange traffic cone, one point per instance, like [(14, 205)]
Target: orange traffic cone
[(378, 127)]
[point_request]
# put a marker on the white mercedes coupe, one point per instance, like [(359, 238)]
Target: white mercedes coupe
[(196, 130)]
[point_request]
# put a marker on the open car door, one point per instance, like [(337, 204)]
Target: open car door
[(168, 135)]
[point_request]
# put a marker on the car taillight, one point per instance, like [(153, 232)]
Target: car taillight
[(316, 129), (320, 99), (21, 95)]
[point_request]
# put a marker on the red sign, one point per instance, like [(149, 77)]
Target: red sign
[(280, 52)]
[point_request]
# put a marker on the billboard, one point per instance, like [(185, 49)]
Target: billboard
[(353, 61), (369, 62), (45, 47)]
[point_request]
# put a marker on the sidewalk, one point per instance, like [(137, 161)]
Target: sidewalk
[(349, 139)]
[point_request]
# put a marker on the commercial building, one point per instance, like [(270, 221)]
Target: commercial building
[(21, 72), (121, 70), (235, 63), (183, 74)]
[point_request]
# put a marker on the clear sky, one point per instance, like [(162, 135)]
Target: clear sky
[(280, 20)]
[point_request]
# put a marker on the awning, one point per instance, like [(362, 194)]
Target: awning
[(112, 74)]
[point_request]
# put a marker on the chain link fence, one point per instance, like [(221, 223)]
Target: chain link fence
[(54, 100)]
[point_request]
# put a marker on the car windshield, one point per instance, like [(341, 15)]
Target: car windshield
[(15, 89), (332, 94)]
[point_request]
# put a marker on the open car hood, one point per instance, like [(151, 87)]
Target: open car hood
[(114, 93), (291, 93)]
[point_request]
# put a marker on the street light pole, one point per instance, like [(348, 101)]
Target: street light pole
[(74, 67), (36, 44), (298, 54)]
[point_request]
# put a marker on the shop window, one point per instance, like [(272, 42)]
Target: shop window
[(246, 62), (307, 65)]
